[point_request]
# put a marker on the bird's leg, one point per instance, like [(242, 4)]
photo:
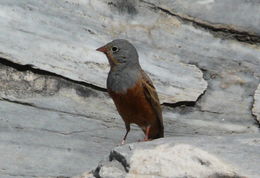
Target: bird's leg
[(147, 130), (127, 126)]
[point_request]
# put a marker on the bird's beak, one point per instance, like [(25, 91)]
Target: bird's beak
[(102, 49)]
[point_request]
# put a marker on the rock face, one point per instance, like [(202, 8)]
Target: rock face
[(256, 109), (56, 116), (218, 157), (66, 44), (209, 12)]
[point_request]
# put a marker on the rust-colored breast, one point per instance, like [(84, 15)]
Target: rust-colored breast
[(134, 107)]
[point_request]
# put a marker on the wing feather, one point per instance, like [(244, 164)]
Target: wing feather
[(152, 97)]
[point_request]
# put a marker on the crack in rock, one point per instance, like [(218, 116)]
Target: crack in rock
[(47, 109), (30, 67), (114, 155), (51, 131), (255, 108), (190, 103), (205, 106), (213, 112), (221, 30), (22, 175)]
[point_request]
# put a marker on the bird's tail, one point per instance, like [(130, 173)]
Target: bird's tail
[(158, 134)]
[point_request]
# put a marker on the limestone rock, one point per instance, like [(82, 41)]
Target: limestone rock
[(39, 142), (232, 16), (64, 40), (56, 118), (256, 108), (61, 37), (199, 157)]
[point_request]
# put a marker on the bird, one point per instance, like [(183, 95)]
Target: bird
[(132, 91)]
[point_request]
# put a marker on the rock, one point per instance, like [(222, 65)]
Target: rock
[(229, 156), (38, 142), (256, 107), (208, 11), (204, 62), (194, 68), (54, 93), (65, 40), (85, 175)]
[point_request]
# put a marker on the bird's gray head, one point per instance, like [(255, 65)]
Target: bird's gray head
[(120, 53)]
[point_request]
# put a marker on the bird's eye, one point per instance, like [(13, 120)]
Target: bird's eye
[(115, 49)]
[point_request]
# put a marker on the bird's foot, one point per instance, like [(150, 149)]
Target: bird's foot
[(123, 142), (144, 140)]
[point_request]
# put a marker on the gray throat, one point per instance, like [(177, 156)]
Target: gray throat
[(122, 78)]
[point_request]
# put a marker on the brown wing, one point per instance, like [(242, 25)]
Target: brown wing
[(152, 97)]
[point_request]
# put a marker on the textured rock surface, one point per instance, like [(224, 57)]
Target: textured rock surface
[(55, 113), (229, 156), (228, 13), (64, 40), (256, 108), (37, 142)]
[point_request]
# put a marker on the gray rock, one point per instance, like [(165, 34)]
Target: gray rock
[(111, 169), (37, 142), (54, 93), (56, 118), (229, 67), (237, 14), (229, 156), (64, 40), (256, 108)]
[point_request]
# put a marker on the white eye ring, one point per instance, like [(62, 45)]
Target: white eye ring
[(114, 49)]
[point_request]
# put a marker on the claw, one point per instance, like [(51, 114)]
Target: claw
[(147, 130), (122, 142)]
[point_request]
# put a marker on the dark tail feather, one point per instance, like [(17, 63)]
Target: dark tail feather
[(160, 134)]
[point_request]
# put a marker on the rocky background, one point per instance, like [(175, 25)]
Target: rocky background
[(56, 118)]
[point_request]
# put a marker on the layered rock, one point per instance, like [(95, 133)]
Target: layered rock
[(202, 57), (256, 107), (64, 40)]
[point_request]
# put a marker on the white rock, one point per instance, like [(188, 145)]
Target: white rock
[(179, 157), (178, 161)]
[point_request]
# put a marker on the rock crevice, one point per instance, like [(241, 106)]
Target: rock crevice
[(219, 30), (35, 70), (202, 55)]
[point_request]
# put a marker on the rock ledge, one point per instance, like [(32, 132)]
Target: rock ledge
[(215, 157)]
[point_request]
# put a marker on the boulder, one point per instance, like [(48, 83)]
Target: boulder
[(203, 157)]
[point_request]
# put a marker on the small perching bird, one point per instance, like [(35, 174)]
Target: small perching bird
[(132, 90)]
